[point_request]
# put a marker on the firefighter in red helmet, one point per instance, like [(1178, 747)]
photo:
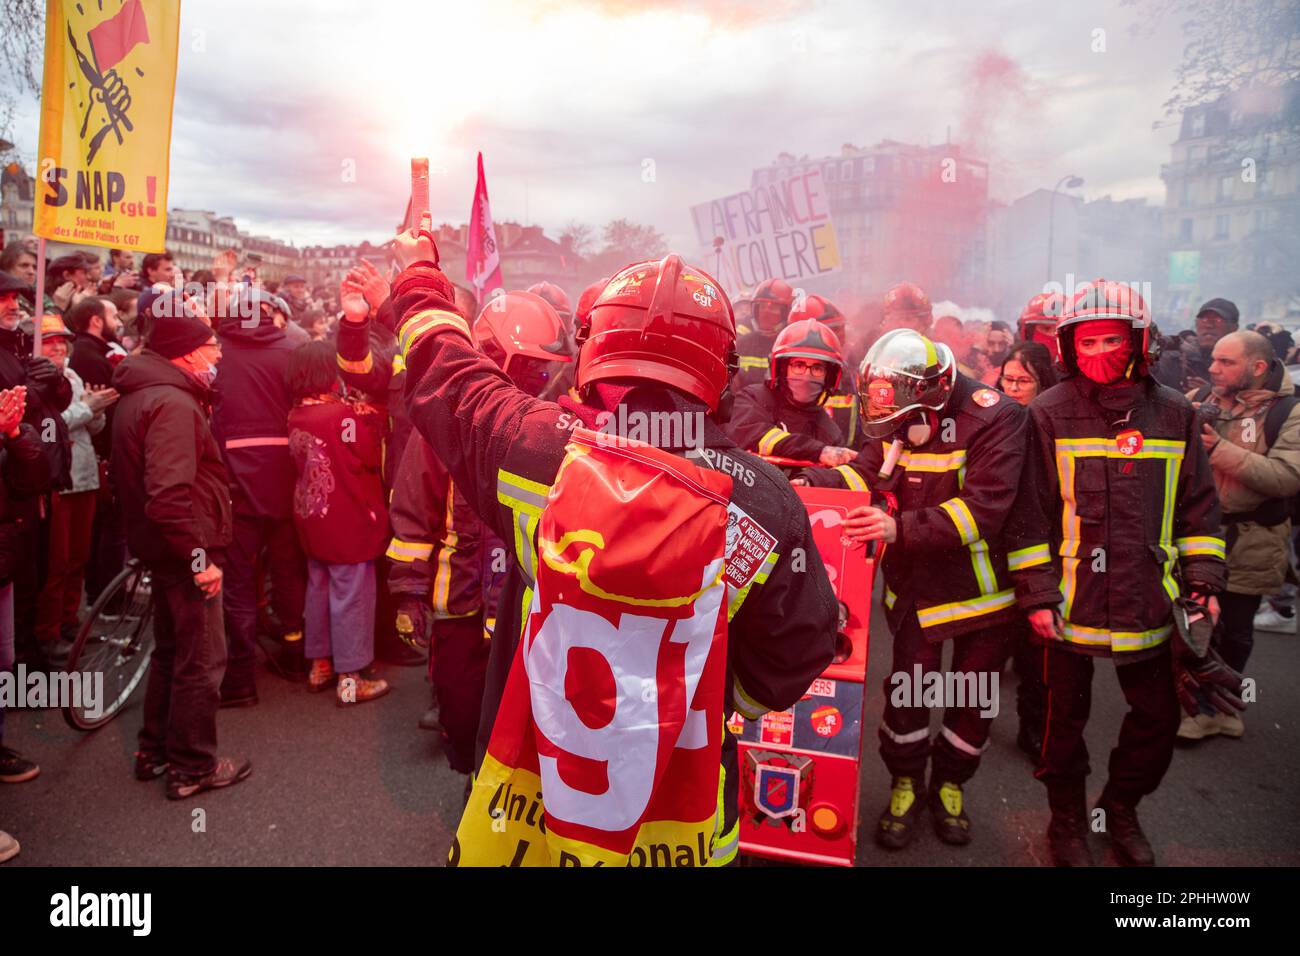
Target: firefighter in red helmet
[(1038, 321), (770, 310), (907, 307), (1115, 549), (842, 403), (562, 384), (659, 340), (786, 416), (441, 557)]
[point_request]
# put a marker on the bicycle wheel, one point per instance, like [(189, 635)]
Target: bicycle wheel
[(117, 645)]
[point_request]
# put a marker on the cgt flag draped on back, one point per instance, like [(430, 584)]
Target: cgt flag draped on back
[(483, 258), (106, 121), (606, 749)]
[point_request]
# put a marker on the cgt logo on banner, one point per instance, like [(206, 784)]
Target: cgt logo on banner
[(606, 748), (106, 119), (780, 230)]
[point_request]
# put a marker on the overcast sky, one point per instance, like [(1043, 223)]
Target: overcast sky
[(568, 102)]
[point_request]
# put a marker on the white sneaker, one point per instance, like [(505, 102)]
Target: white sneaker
[(1198, 727), (1268, 619), (8, 847)]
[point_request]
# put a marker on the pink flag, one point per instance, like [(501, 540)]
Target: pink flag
[(483, 258), (113, 39)]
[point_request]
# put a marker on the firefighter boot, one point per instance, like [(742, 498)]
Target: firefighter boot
[(1126, 836), (1067, 834), (950, 820), (898, 822)]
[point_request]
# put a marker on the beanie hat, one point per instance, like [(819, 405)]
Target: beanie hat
[(175, 336)]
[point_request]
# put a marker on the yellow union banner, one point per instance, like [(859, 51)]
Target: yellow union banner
[(106, 121)]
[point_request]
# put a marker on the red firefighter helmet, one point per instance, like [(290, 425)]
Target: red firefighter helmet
[(1106, 299), (553, 294), (518, 329), (908, 306), (815, 307), (587, 298), (660, 321), (1038, 320), (776, 292), (807, 339)]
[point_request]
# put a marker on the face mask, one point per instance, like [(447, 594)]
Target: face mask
[(208, 375), (803, 391), (1108, 367)]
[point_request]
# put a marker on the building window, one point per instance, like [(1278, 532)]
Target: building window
[(846, 169), (1185, 193), (1185, 230), (1221, 227), (1225, 188), (1198, 125)]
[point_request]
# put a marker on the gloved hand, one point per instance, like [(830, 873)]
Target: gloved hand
[(412, 621), (1200, 674), (43, 374)]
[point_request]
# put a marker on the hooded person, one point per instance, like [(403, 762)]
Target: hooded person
[(638, 528), (251, 403), (1116, 552), (175, 498), (950, 452), (785, 416)]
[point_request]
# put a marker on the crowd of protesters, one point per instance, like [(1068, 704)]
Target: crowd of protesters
[(252, 448)]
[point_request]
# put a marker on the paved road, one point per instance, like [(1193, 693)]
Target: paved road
[(366, 787)]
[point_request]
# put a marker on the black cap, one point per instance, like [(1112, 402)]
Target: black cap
[(175, 336), (1222, 307)]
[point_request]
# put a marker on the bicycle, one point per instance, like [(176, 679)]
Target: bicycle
[(116, 640)]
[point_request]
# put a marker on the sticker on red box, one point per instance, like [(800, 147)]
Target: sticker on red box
[(827, 721), (777, 728), (822, 687)]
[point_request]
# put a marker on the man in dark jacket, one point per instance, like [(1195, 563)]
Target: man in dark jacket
[(176, 501), (250, 418), (503, 448), (48, 394)]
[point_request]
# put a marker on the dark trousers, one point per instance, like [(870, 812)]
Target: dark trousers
[(71, 517), (1146, 737), (905, 743), (288, 570), (183, 691), (107, 547), (1031, 694), (28, 580), (1234, 635), (459, 670)]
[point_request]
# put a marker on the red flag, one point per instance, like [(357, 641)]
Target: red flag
[(483, 257), (117, 36)]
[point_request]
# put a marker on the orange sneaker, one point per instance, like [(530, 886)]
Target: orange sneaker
[(321, 676)]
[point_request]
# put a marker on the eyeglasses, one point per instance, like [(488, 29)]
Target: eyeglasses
[(1019, 383), (810, 369)]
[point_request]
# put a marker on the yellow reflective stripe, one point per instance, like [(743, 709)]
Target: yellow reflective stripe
[(725, 845), (1069, 581), (746, 706), (1106, 448), (984, 573), (442, 576), (963, 610), (424, 322), (1071, 526), (1201, 544), (957, 510), (916, 461), (399, 364), (767, 444), (890, 599), (408, 551), (839, 401), (1029, 557), (851, 477), (738, 597), (525, 499), (357, 366), (753, 361), (1116, 640)]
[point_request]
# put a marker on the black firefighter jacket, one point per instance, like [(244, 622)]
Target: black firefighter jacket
[(1116, 501), (954, 494), (767, 423), (503, 448)]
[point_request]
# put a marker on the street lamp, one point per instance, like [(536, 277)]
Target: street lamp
[(1069, 182)]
